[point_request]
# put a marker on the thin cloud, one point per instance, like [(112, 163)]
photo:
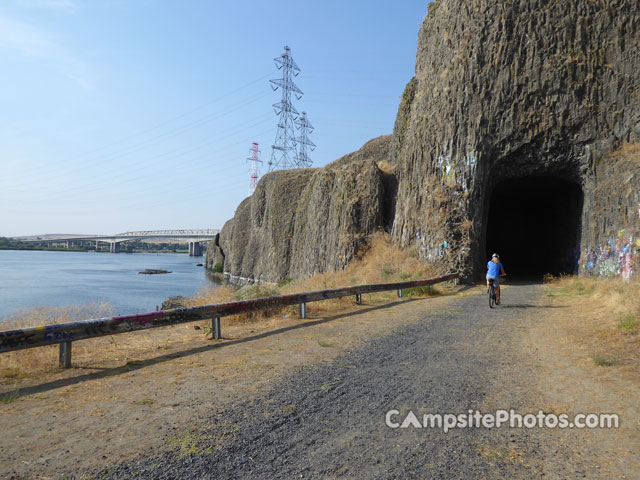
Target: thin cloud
[(34, 42)]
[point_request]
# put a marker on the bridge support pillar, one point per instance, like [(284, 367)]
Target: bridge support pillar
[(195, 249), (128, 248), (114, 247)]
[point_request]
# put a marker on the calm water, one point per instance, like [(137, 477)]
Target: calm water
[(31, 279)]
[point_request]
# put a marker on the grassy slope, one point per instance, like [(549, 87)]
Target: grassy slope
[(608, 319)]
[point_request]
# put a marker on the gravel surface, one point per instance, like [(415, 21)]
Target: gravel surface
[(329, 421)]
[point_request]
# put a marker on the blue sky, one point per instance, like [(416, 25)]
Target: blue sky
[(122, 115)]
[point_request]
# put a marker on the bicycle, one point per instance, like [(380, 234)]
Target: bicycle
[(492, 293)]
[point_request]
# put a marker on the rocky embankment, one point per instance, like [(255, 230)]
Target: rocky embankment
[(301, 222)]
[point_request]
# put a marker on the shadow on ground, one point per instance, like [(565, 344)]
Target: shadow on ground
[(137, 365)]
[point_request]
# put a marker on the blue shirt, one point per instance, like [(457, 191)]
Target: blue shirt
[(494, 269)]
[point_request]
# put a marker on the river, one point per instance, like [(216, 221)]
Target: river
[(30, 279)]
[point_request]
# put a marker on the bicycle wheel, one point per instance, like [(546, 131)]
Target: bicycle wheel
[(492, 296)]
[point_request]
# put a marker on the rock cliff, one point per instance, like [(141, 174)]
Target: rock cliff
[(516, 135), (301, 222), (612, 222), (510, 91)]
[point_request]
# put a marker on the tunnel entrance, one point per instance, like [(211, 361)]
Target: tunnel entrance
[(534, 225)]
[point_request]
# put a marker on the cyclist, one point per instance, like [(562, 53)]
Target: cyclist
[(495, 268)]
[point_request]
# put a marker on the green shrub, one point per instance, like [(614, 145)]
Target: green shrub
[(628, 323), (420, 291), (249, 292), (9, 397), (218, 268), (604, 361)]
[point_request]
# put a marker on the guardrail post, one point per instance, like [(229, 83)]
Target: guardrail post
[(303, 310), (359, 298), (400, 293), (216, 332), (65, 354)]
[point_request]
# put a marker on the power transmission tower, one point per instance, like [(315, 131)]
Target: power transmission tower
[(255, 169), (283, 153), (302, 158)]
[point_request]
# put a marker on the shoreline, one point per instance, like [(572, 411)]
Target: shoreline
[(78, 279), (87, 250)]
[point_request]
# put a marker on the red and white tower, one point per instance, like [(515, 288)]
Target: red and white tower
[(255, 169)]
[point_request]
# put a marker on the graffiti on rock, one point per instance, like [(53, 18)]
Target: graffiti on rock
[(443, 162), (617, 258), (460, 172), (429, 251)]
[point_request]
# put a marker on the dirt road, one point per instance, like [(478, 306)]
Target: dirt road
[(328, 421), (309, 400)]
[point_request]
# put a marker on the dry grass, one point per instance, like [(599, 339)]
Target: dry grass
[(51, 315), (386, 167), (467, 227), (125, 349), (500, 453), (380, 262), (608, 295), (608, 313), (631, 150), (224, 294), (18, 364)]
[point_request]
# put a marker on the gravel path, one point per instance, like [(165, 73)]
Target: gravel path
[(329, 421)]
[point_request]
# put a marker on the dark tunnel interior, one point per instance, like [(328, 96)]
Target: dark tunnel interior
[(534, 225)]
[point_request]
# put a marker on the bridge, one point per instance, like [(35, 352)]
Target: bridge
[(195, 238)]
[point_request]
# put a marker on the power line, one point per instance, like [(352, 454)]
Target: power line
[(69, 167), (182, 115), (57, 172), (187, 167)]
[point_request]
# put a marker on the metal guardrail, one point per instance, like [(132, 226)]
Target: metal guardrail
[(66, 333)]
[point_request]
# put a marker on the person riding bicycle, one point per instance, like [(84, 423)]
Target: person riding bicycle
[(495, 268)]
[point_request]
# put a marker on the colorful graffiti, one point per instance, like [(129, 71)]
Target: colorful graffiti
[(617, 258), (460, 173), (430, 252), (443, 162)]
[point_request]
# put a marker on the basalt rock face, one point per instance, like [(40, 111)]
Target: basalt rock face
[(338, 211), (256, 242), (508, 90), (611, 228), (301, 222), (214, 254)]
